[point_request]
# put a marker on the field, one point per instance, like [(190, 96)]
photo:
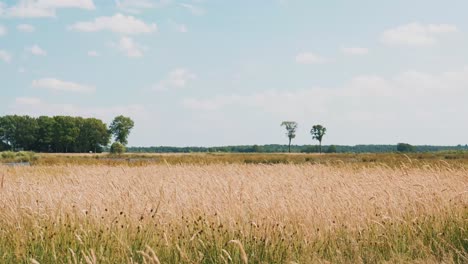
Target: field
[(236, 208), (394, 160)]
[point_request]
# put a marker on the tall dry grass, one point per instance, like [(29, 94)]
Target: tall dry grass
[(394, 160), (233, 213)]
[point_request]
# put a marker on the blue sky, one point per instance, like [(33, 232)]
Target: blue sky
[(214, 72)]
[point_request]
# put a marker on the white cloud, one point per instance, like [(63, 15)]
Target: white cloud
[(44, 8), (442, 28), (135, 6), (195, 10), (27, 101), (118, 24), (355, 51), (29, 12), (129, 47), (309, 58), (25, 28), (93, 53), (3, 31), (5, 56), (416, 34), (177, 78), (36, 50), (63, 86), (214, 103), (21, 70), (182, 28)]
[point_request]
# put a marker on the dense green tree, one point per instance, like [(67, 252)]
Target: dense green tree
[(53, 134), (117, 148), (66, 132), (100, 135), (25, 132), (257, 149), (80, 143), (45, 134), (331, 149), (404, 147), (310, 149), (4, 146), (18, 132), (291, 128), (120, 128), (93, 135), (8, 131), (317, 132)]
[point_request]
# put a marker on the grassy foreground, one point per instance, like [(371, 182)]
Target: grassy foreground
[(233, 214)]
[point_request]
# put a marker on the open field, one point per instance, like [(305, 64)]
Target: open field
[(235, 212), (394, 160)]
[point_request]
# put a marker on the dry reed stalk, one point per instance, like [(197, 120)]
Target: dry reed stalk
[(241, 249), (153, 259), (73, 256)]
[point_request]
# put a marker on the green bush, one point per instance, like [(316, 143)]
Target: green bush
[(404, 147), (311, 149), (8, 155), (22, 156), (331, 149), (117, 148)]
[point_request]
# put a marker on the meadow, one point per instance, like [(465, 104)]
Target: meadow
[(394, 160), (236, 208)]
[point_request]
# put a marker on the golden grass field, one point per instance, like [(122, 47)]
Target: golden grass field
[(395, 160), (235, 213)]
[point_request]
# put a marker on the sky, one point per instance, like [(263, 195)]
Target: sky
[(219, 72)]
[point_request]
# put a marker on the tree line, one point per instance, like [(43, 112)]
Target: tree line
[(78, 135), (65, 134), (277, 148)]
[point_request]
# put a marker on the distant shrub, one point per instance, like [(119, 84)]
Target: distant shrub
[(257, 149), (369, 159), (8, 155), (452, 157), (265, 161), (117, 148), (22, 156), (331, 149), (311, 149), (404, 147)]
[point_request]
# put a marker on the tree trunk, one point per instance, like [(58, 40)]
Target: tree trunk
[(289, 145), (320, 147)]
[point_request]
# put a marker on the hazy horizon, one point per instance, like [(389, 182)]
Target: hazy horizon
[(217, 73)]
